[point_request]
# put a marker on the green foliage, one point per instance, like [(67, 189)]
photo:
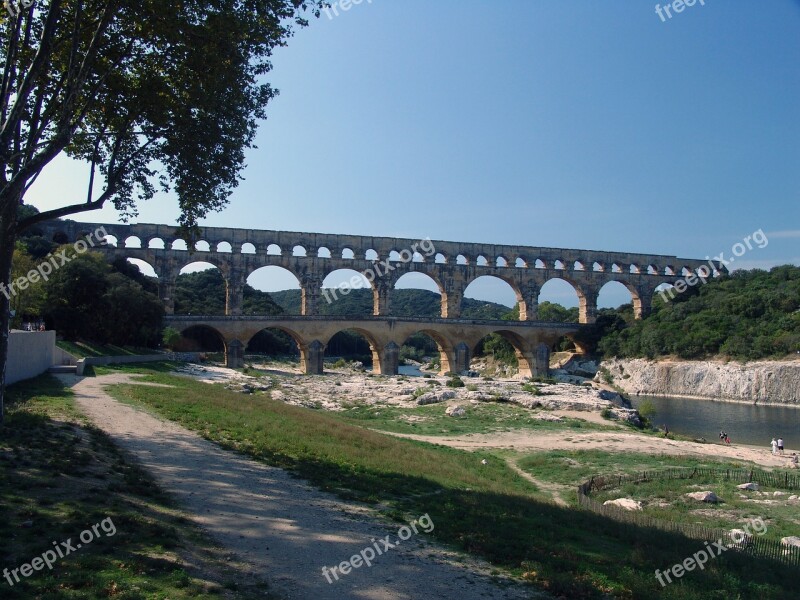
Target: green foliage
[(171, 337), (455, 382), (747, 315), (531, 389), (87, 298)]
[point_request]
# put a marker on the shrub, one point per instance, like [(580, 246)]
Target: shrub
[(455, 382)]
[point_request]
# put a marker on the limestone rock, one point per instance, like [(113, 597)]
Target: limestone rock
[(624, 503), (753, 487), (706, 496), (792, 541), (455, 411)]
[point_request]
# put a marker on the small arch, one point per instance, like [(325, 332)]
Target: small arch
[(274, 250), (323, 252), (652, 270), (685, 272), (539, 264), (462, 260), (354, 344), (481, 261), (133, 242), (598, 267), (578, 266), (111, 241), (634, 269), (371, 255), (348, 254), (224, 247), (299, 251), (417, 258), (501, 261), (248, 248), (521, 263), (156, 244), (202, 246), (179, 244), (201, 338), (559, 264), (669, 270), (394, 256), (615, 268), (440, 259)]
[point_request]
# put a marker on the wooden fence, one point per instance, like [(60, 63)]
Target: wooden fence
[(754, 545)]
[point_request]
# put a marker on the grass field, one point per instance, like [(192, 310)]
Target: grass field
[(58, 477), (485, 509)]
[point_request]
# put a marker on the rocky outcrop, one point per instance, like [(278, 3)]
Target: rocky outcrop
[(764, 382)]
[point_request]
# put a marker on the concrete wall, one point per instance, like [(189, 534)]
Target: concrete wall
[(30, 353)]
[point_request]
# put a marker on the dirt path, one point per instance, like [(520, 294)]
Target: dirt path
[(605, 440), (283, 527)]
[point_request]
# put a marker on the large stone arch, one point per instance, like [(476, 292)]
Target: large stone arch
[(511, 281), (522, 349), (447, 349)]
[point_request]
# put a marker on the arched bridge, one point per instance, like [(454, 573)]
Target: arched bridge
[(311, 257)]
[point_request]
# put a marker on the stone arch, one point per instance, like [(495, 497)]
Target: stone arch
[(348, 253), (111, 240), (202, 338), (521, 262), (444, 346), (156, 243), (462, 260), (270, 279), (508, 294), (179, 244), (419, 280), (371, 255), (481, 261), (634, 269), (148, 270), (224, 247), (338, 282), (562, 291), (501, 262), (374, 346), (559, 264), (132, 241), (525, 359), (202, 246), (610, 292), (578, 266), (323, 252), (248, 248), (274, 250), (539, 264), (598, 267), (299, 251), (440, 259), (297, 347)]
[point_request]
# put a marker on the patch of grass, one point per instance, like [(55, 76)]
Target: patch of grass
[(484, 509), (83, 349), (58, 477)]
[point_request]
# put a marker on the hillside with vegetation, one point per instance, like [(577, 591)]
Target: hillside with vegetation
[(747, 315)]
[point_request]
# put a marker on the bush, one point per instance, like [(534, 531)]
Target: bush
[(455, 382)]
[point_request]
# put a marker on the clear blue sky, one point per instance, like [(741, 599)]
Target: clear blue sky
[(569, 123)]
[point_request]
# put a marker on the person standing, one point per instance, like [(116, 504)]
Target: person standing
[(774, 445), (780, 446)]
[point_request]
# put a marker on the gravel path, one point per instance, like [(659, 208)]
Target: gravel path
[(281, 526)]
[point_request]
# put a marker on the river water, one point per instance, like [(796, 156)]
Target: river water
[(745, 423)]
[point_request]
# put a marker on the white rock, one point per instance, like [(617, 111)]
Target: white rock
[(792, 541), (753, 487), (455, 411), (705, 496), (625, 503), (778, 493)]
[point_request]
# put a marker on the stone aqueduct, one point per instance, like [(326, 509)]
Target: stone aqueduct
[(311, 257)]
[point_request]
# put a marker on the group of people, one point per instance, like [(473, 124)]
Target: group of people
[(777, 446)]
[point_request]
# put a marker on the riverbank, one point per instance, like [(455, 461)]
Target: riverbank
[(760, 382)]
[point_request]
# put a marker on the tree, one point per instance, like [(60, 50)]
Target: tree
[(149, 96)]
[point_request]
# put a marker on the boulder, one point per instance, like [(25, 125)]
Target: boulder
[(428, 398), (706, 496), (791, 541), (624, 503), (753, 487), (455, 411)]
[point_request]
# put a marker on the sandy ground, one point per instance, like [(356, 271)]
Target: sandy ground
[(281, 526), (605, 440)]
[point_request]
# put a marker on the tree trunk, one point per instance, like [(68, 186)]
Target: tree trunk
[(8, 236)]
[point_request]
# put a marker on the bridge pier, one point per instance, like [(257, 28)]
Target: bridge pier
[(462, 356), (312, 358), (643, 304), (542, 361), (234, 354), (389, 359)]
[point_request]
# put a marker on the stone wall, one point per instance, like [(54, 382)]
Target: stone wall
[(764, 382)]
